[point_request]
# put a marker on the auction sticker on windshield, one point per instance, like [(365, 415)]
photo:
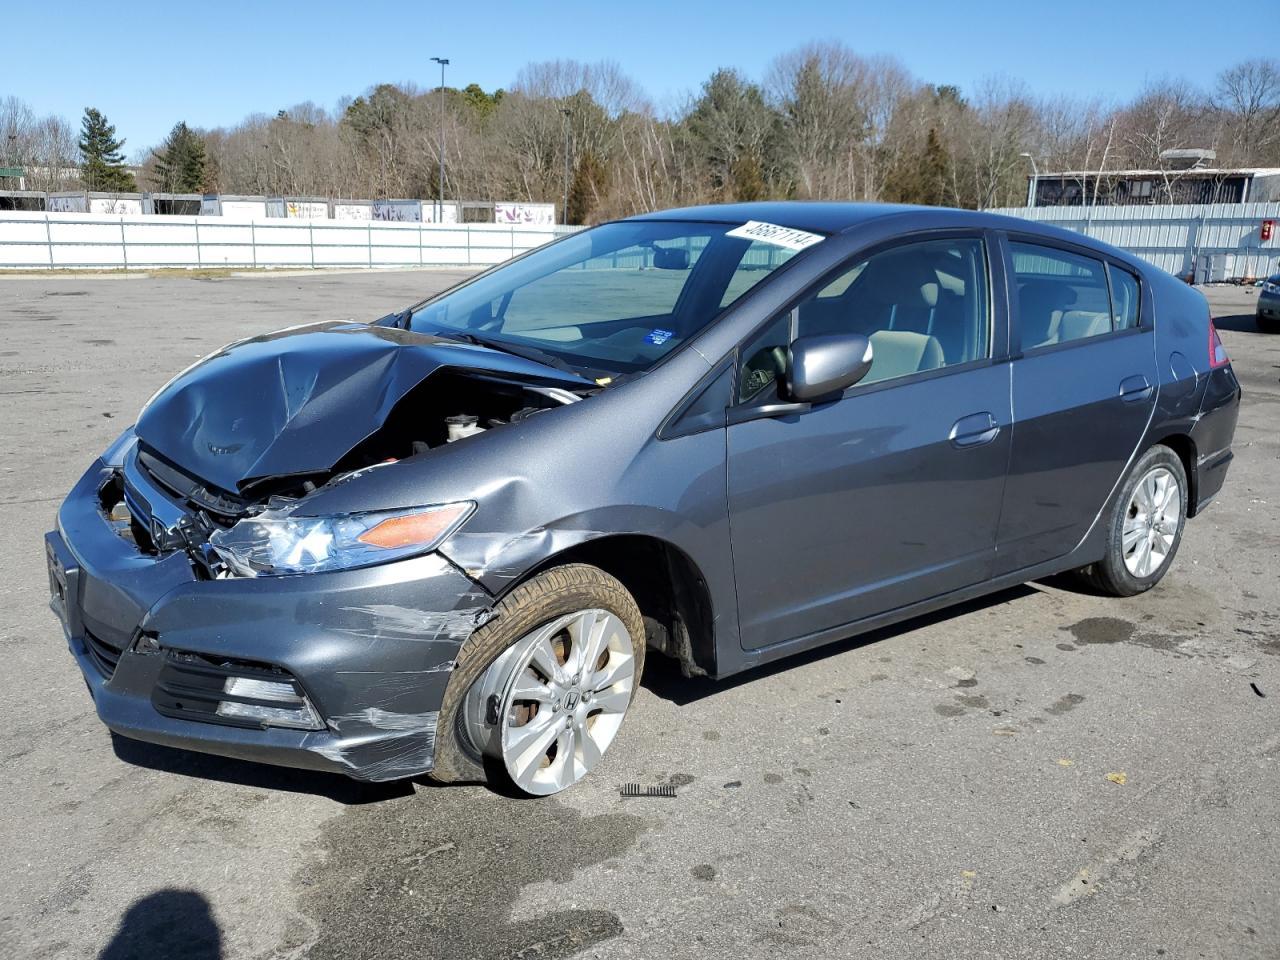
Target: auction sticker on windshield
[(775, 235)]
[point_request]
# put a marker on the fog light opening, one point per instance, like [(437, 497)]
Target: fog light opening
[(273, 703), (146, 644)]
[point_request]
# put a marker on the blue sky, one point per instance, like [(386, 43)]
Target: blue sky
[(211, 64)]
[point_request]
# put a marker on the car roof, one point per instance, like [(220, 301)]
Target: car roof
[(814, 215), (831, 217)]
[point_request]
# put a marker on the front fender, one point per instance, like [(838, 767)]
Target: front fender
[(497, 559)]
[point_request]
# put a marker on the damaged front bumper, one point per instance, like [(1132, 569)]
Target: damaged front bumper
[(368, 651)]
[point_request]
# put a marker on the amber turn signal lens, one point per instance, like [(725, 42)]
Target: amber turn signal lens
[(416, 528)]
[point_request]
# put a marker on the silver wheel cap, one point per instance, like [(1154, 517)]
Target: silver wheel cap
[(561, 693), (1151, 522)]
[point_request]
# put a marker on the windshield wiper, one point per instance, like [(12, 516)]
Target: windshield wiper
[(503, 346)]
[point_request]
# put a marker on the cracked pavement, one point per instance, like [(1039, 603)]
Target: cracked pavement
[(1041, 773)]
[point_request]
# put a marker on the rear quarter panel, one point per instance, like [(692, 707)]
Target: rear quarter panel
[(1195, 402)]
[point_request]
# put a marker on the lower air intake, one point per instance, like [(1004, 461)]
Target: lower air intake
[(232, 692)]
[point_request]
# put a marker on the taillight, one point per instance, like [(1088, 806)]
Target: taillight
[(1217, 352)]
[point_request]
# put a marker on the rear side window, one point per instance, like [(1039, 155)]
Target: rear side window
[(1124, 298), (1061, 296)]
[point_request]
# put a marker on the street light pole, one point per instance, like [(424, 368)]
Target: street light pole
[(444, 62), (564, 200), (1035, 180)]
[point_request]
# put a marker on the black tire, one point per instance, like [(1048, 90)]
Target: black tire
[(1266, 324), (548, 595), (1110, 575)]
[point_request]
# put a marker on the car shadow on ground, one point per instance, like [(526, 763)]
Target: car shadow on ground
[(164, 925), (663, 678), (1238, 323), (204, 766)]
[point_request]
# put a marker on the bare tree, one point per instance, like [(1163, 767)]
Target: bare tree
[(827, 122), (823, 91), (1248, 98), (990, 141), (44, 147)]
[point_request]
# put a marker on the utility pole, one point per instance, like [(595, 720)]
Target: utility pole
[(444, 62), (1034, 182), (564, 203), (14, 162)]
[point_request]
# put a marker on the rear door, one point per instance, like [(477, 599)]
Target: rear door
[(1084, 388), (891, 493)]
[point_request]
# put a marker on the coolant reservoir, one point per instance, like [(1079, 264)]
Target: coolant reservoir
[(463, 425)]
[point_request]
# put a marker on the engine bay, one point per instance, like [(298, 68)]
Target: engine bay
[(450, 406)]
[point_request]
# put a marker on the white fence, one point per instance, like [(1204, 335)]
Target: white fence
[(1219, 241), (68, 240)]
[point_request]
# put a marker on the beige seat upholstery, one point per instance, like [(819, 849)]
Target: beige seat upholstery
[(896, 353), (1078, 324), (1041, 305)]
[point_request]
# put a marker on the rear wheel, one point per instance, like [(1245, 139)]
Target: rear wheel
[(1145, 526), (540, 692)]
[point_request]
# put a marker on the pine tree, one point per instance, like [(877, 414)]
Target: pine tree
[(923, 177), (585, 190), (181, 161), (103, 163), (747, 179), (935, 167)]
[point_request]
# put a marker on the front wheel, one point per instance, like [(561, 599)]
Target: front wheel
[(539, 693), (1266, 324), (1144, 527)]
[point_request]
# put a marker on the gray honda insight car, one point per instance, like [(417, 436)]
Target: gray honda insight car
[(442, 542)]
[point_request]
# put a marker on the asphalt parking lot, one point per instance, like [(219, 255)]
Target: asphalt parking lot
[(1040, 774)]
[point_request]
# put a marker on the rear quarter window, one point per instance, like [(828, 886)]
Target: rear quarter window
[(1126, 302)]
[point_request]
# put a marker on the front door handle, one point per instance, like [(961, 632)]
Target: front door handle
[(1135, 388), (974, 430)]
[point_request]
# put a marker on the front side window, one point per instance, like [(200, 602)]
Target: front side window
[(923, 306), (614, 299), (1061, 296)]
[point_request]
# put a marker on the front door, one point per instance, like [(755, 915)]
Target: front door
[(1083, 393), (890, 494)]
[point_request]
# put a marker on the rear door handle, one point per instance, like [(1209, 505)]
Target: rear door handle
[(1135, 388), (974, 430)]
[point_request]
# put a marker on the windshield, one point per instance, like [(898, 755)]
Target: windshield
[(614, 299)]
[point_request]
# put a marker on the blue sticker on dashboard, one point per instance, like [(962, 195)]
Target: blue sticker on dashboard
[(659, 337)]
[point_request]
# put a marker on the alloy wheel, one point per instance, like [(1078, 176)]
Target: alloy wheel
[(1151, 522), (552, 703)]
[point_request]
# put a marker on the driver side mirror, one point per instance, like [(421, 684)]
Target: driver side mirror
[(822, 365)]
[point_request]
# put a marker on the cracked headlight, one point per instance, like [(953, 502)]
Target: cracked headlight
[(275, 542)]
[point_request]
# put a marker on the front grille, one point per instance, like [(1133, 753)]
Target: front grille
[(188, 489), (104, 655), (196, 687)]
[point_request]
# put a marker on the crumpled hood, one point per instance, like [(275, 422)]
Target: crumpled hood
[(295, 402)]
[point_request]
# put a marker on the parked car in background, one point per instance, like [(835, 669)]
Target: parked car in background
[(443, 542), (1268, 310)]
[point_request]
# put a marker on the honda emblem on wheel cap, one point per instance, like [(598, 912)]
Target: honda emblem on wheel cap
[(571, 699)]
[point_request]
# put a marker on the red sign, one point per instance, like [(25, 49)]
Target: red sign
[(1268, 228)]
